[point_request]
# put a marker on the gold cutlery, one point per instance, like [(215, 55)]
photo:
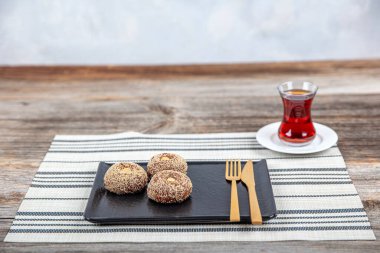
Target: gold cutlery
[(233, 172), (248, 178)]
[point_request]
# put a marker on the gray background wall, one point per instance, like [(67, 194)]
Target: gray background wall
[(183, 31)]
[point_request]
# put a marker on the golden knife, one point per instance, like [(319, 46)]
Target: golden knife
[(248, 178)]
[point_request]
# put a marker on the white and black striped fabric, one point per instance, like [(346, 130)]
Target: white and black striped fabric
[(314, 194)]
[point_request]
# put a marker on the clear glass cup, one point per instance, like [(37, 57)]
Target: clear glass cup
[(297, 127)]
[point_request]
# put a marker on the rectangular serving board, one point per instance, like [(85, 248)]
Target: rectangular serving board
[(208, 203)]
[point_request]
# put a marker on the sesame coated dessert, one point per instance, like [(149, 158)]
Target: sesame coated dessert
[(166, 161), (169, 186), (123, 178)]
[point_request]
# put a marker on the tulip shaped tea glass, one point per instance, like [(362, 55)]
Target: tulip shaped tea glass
[(297, 128)]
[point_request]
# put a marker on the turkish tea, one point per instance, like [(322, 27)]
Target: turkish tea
[(297, 127)]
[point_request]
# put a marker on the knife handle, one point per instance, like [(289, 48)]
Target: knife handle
[(254, 207), (234, 208)]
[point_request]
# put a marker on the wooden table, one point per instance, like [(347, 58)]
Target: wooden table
[(38, 102)]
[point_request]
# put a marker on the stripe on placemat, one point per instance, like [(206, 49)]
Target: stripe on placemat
[(316, 196), (265, 222), (305, 186), (189, 230), (157, 149), (157, 138), (61, 186), (55, 198), (191, 160), (26, 213)]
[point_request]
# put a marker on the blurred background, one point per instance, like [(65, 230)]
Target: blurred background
[(128, 32)]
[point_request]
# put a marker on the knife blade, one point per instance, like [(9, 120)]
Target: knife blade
[(248, 178)]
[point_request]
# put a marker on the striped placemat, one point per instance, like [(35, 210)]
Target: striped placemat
[(314, 194)]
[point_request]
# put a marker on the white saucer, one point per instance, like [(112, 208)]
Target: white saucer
[(326, 138)]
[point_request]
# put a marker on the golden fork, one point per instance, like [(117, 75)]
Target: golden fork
[(233, 173)]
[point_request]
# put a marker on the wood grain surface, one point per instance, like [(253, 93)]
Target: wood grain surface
[(37, 103)]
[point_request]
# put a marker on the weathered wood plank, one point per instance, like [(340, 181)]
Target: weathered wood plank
[(121, 72)]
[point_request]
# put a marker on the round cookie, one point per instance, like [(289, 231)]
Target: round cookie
[(122, 178), (169, 186), (166, 161)]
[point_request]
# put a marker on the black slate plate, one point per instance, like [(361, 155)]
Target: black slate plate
[(209, 201)]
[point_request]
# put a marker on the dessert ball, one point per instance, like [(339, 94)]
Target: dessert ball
[(122, 178), (166, 161), (169, 186)]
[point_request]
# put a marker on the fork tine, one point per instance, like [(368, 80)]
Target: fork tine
[(227, 169)]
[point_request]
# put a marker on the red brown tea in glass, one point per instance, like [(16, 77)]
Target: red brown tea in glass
[(297, 128)]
